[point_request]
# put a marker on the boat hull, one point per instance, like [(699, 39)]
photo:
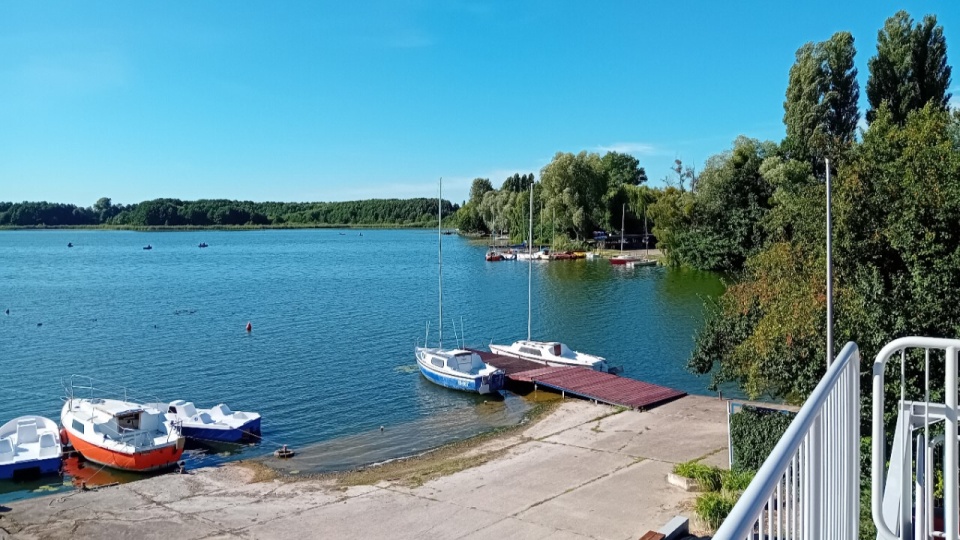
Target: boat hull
[(250, 430), (156, 458), (36, 467), (504, 351), (493, 384)]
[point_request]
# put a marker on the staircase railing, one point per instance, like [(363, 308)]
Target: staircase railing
[(809, 486), (901, 503)]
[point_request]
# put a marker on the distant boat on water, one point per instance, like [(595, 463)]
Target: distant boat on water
[(147, 247), (203, 245), (69, 244)]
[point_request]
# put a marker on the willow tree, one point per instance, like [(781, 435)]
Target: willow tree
[(573, 190)]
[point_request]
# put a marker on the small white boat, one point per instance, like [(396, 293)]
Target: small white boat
[(121, 434), (29, 446), (551, 353), (218, 424)]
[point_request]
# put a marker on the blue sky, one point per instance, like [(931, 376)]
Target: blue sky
[(311, 101)]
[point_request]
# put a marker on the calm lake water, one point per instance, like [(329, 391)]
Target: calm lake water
[(335, 317)]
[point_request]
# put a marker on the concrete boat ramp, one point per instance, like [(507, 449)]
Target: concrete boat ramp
[(583, 471)]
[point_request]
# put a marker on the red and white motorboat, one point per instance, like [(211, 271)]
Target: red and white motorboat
[(121, 434), (634, 260)]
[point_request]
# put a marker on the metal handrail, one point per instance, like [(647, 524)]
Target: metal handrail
[(747, 514), (951, 444)]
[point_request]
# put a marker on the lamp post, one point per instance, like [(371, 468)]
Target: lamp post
[(829, 273)]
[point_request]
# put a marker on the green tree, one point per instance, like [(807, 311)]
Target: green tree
[(820, 110), (478, 188), (910, 68), (573, 188)]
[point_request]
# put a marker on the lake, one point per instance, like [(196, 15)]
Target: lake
[(335, 316)]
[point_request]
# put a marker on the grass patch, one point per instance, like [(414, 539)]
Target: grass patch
[(722, 489), (709, 478), (713, 507)]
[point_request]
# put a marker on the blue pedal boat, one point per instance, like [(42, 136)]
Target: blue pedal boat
[(217, 424), (29, 446)]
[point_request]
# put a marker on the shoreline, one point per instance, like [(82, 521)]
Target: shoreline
[(577, 471)]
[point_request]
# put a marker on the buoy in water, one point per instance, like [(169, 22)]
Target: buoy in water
[(284, 452), (249, 327)]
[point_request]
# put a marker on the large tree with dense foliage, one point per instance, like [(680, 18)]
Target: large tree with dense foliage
[(820, 110), (573, 188), (910, 68)]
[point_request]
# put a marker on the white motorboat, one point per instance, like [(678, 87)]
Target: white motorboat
[(551, 353), (121, 434), (29, 446)]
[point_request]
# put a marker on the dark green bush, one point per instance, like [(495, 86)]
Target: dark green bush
[(754, 432)]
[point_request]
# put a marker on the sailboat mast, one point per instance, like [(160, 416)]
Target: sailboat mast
[(623, 221), (646, 237), (440, 253), (530, 267)]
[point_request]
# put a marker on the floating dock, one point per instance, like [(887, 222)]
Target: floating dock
[(583, 382)]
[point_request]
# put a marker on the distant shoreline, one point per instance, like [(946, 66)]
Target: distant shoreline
[(174, 228)]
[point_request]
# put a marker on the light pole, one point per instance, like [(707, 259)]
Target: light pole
[(829, 274)]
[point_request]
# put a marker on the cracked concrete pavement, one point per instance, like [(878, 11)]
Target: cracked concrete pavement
[(584, 471)]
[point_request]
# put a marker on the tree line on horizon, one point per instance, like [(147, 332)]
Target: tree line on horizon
[(225, 213)]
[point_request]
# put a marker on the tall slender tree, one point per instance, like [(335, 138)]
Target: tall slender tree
[(910, 68), (820, 112)]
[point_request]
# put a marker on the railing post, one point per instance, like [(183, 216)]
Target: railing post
[(950, 446), (813, 498)]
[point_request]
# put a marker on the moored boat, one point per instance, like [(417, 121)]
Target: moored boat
[(494, 256), (552, 353), (635, 260), (459, 369), (218, 423), (29, 446), (121, 434)]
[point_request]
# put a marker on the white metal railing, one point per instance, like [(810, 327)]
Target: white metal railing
[(902, 500), (809, 486)]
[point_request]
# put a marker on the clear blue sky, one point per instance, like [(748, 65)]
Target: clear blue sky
[(308, 101)]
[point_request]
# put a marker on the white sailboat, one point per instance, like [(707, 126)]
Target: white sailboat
[(457, 368), (628, 259), (550, 353)]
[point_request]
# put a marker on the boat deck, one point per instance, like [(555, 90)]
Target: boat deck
[(584, 382)]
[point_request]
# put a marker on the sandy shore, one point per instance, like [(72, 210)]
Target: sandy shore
[(581, 471)]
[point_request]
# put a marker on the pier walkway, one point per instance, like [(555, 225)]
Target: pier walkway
[(583, 382)]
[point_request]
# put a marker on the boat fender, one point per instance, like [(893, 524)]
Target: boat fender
[(64, 439), (284, 452)]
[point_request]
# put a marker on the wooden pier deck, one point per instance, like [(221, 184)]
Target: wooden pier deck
[(584, 382)]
